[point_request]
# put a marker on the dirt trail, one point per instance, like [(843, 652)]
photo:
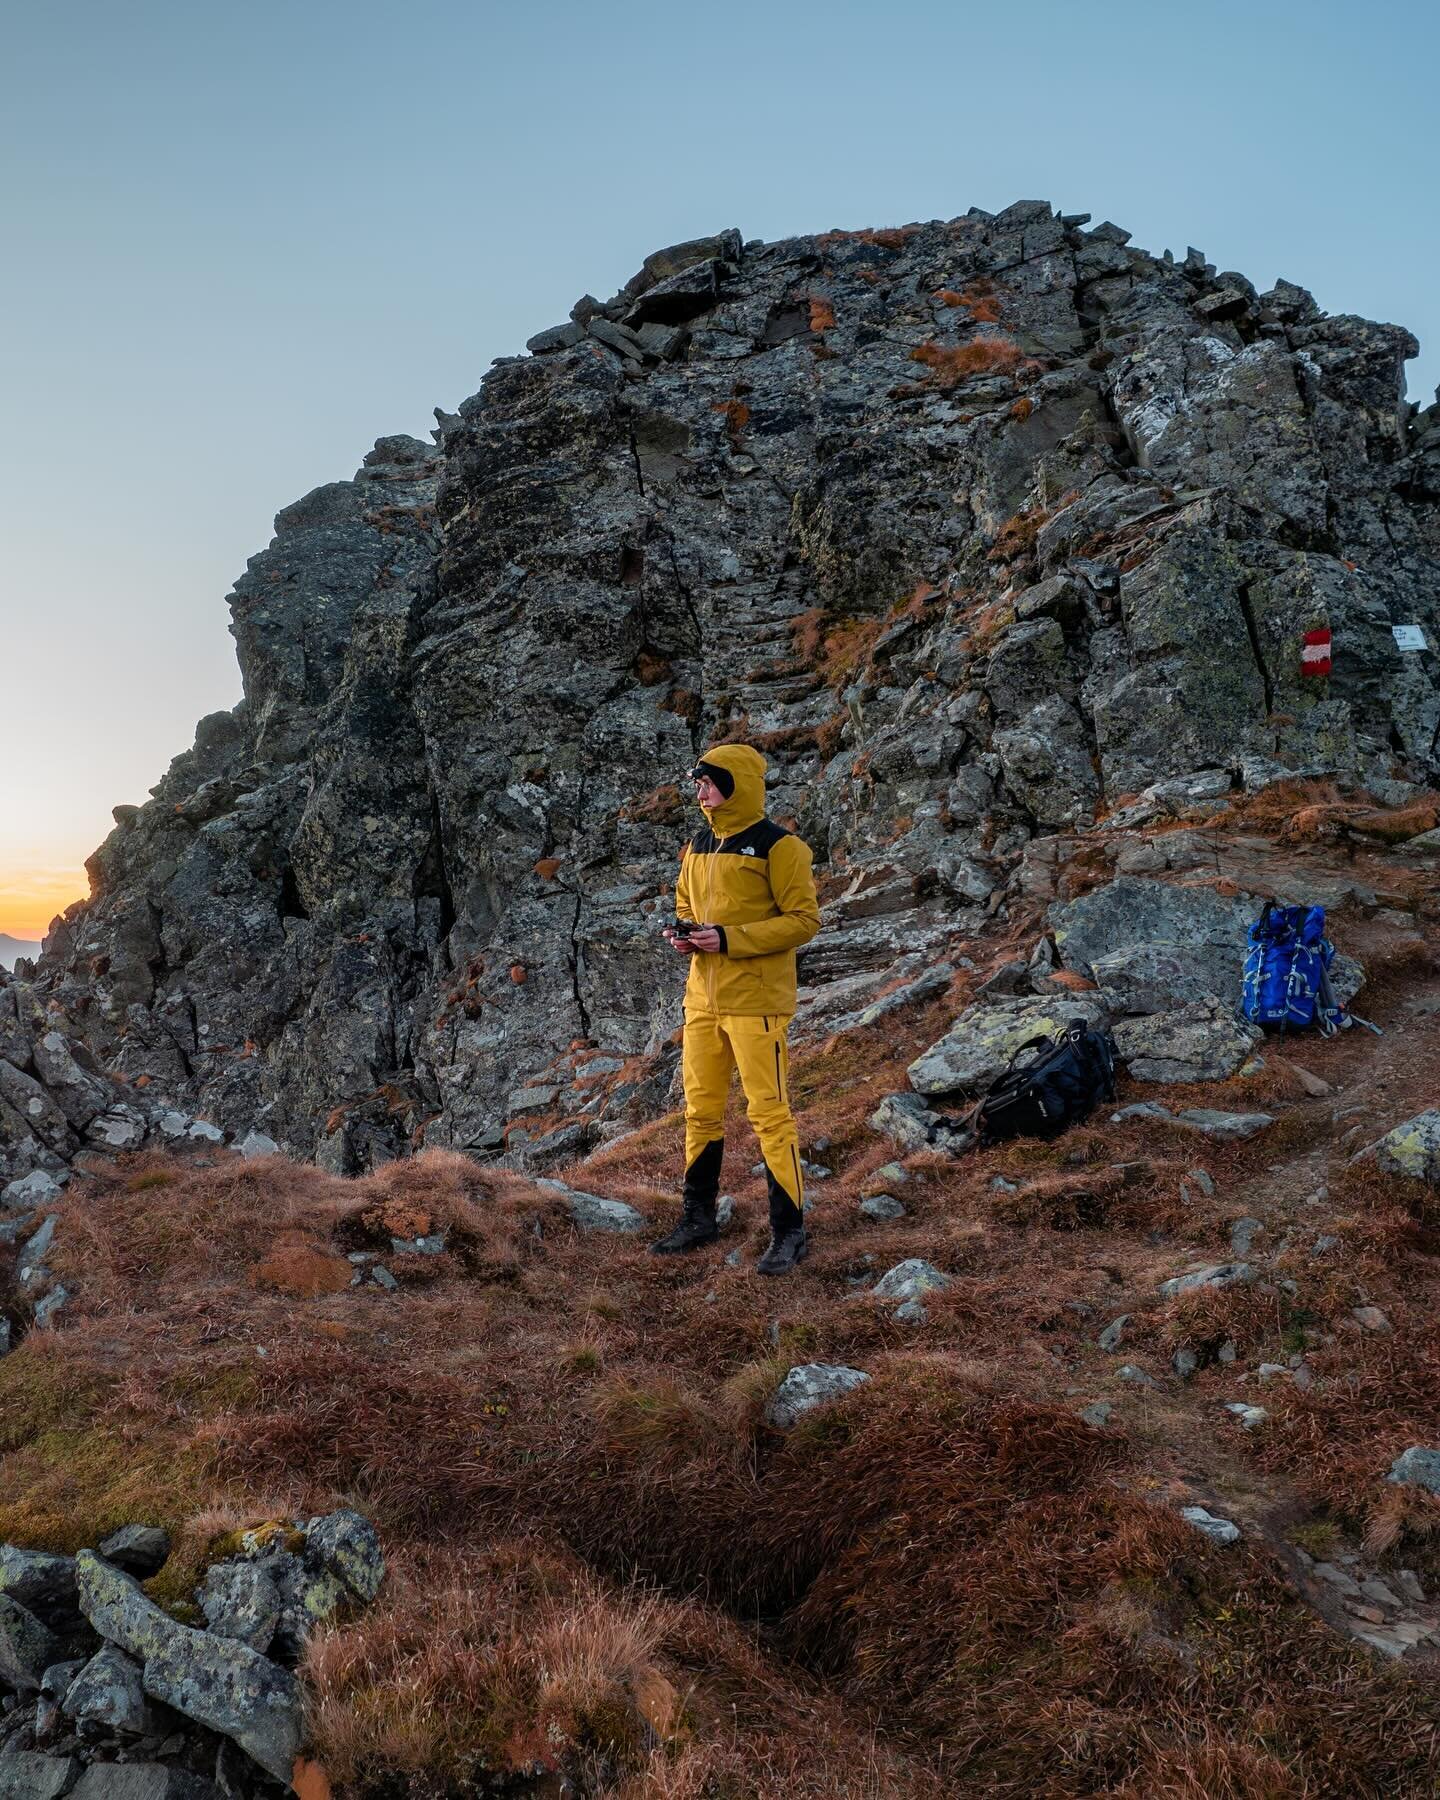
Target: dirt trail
[(1295, 1221)]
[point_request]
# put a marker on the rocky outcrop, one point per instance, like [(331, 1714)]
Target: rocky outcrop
[(108, 1676), (975, 527), (217, 1682)]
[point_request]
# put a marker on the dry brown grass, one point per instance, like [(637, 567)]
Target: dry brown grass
[(605, 1564), (663, 805), (891, 237), (950, 364), (1312, 810), (836, 648), (516, 1658), (978, 299), (736, 414)]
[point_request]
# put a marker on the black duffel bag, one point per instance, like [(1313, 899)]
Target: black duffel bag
[(1061, 1082)]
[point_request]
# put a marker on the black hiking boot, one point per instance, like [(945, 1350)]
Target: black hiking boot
[(697, 1227), (698, 1224), (788, 1244), (785, 1250)]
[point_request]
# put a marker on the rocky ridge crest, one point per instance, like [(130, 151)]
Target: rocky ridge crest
[(987, 531)]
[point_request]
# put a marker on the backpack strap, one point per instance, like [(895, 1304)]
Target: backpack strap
[(1030, 1043), (1329, 1013)]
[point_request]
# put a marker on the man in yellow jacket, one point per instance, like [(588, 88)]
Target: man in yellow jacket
[(746, 896)]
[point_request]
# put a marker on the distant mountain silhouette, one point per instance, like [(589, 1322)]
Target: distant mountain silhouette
[(11, 947)]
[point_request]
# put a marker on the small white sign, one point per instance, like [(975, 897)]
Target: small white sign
[(1409, 637)]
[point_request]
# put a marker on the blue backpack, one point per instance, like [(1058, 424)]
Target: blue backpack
[(1286, 985)]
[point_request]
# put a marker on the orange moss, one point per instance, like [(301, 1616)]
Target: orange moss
[(397, 1217), (304, 1271), (1068, 978), (822, 313), (737, 416)]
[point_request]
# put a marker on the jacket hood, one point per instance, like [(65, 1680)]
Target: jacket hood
[(746, 806)]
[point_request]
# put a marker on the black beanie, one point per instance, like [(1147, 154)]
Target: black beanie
[(722, 778)]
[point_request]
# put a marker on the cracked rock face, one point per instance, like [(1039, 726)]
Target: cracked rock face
[(961, 597)]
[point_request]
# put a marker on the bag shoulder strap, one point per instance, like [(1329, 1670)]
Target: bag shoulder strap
[(1041, 1038)]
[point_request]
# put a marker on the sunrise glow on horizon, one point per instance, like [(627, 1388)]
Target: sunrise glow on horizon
[(34, 893)]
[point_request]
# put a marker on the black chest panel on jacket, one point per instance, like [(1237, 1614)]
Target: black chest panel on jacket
[(756, 840)]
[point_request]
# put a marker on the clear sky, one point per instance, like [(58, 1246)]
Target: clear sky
[(240, 242)]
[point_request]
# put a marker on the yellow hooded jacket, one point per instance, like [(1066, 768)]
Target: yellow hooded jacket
[(752, 879)]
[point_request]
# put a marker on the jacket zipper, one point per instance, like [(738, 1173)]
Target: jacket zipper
[(709, 920)]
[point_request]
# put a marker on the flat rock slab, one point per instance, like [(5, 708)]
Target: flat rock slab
[(924, 987), (1216, 1275), (982, 1040), (1223, 1127), (1150, 978), (593, 1212), (1223, 1531), (1203, 1041), (1206, 930), (808, 1386)]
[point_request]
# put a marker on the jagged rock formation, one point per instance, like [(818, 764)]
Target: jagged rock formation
[(977, 528), (120, 1688)]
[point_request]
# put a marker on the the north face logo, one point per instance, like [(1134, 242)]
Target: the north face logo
[(747, 850)]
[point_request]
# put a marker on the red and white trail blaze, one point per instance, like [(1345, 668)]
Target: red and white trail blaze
[(1315, 656)]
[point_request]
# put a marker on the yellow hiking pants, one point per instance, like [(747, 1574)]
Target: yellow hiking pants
[(715, 1045)]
